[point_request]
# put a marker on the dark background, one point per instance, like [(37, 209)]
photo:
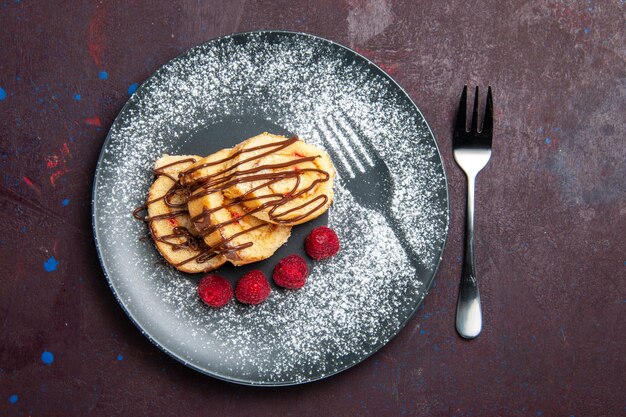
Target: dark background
[(551, 208)]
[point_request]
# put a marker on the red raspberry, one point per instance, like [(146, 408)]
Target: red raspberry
[(291, 272), (252, 288), (215, 291), (321, 243)]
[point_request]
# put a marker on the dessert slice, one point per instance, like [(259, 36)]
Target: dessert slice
[(227, 225), (170, 226), (280, 180)]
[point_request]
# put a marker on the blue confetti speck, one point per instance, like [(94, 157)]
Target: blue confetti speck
[(556, 129), (422, 331), (76, 96), (13, 398), (132, 88), (120, 357), (103, 75), (65, 202), (548, 141), (47, 357), (3, 94), (586, 30), (51, 264), (23, 229)]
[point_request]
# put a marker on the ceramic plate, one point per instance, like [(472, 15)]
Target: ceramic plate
[(390, 209)]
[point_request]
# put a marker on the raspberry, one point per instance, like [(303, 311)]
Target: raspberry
[(321, 243), (252, 288), (291, 272), (215, 291)]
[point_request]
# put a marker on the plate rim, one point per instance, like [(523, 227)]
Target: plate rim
[(428, 285)]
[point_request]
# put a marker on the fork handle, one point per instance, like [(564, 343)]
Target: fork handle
[(469, 319)]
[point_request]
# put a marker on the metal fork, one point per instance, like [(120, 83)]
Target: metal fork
[(365, 175), (472, 151)]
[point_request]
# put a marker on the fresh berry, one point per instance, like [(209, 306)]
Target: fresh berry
[(252, 288), (291, 272), (321, 243), (215, 291)]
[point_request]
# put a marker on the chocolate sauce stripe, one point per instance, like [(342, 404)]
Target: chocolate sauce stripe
[(213, 228), (220, 181), (284, 213), (159, 170), (191, 243), (166, 216), (278, 145), (236, 235), (273, 179), (211, 181)]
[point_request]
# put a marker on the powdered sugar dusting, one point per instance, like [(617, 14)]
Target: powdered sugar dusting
[(353, 302)]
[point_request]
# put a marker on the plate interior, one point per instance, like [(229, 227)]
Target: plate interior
[(217, 95)]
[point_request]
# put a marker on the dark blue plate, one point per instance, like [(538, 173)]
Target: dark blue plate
[(390, 209)]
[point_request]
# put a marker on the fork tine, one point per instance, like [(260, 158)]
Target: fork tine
[(341, 139), (487, 129), (349, 128), (474, 128), (334, 150), (461, 114)]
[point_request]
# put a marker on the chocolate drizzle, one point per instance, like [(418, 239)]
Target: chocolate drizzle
[(189, 241), (189, 187)]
